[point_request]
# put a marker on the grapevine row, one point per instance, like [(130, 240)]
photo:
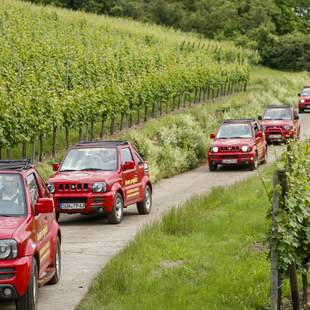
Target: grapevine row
[(62, 71)]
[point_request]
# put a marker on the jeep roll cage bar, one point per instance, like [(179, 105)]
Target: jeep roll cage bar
[(240, 120), (19, 164), (102, 142)]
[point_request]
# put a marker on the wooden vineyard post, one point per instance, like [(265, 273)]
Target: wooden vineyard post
[(273, 251), (294, 287)]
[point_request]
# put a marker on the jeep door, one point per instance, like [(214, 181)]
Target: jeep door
[(41, 224), (130, 177), (259, 141)]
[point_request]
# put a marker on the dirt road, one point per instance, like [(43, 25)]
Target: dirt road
[(89, 242)]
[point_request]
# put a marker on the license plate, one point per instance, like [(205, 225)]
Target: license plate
[(72, 205), (229, 161), (275, 136)]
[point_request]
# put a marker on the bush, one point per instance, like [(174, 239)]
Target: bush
[(289, 52)]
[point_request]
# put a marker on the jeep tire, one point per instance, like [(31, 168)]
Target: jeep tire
[(212, 167), (300, 110), (29, 300), (116, 216), (254, 165), (145, 206), (57, 264)]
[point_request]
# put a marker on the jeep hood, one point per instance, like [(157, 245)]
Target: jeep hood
[(280, 122), (232, 142), (8, 226), (81, 176)]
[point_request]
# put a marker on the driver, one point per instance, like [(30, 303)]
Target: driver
[(10, 190)]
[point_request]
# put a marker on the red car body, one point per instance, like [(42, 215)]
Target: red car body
[(130, 179), (280, 130), (304, 99), (238, 151), (36, 234)]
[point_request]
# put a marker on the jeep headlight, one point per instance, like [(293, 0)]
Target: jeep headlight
[(8, 249), (51, 187), (288, 128), (302, 100), (214, 149), (245, 148), (99, 187)]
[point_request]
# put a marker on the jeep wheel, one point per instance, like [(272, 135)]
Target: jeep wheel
[(57, 264), (145, 206), (212, 167), (300, 110), (254, 165), (116, 216), (30, 299), (57, 217)]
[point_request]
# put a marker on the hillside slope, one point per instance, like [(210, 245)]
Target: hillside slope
[(62, 70)]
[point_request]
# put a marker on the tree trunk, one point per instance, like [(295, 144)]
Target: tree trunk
[(103, 118), (54, 142), (80, 134), (24, 150), (67, 136), (294, 287), (112, 125), (305, 285), (41, 148), (92, 134), (145, 112)]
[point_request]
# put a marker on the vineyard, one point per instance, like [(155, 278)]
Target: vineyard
[(290, 248), (63, 72)]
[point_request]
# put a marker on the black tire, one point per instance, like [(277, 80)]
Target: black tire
[(145, 206), (212, 167), (30, 300), (116, 216), (254, 165), (300, 110), (57, 217), (57, 264)]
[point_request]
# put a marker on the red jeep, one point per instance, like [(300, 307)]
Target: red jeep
[(304, 99), (29, 235), (101, 177), (238, 142), (280, 123)]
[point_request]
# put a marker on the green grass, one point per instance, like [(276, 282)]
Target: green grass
[(209, 254)]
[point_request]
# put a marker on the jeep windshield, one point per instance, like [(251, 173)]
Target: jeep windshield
[(305, 92), (277, 114), (92, 159), (230, 131), (12, 196)]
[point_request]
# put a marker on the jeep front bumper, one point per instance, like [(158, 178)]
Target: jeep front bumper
[(14, 277)]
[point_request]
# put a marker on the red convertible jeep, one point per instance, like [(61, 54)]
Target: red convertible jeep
[(101, 177), (29, 235), (238, 142), (280, 123), (304, 99)]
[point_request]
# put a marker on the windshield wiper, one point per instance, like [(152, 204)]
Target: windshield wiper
[(68, 170), (6, 215), (91, 169)]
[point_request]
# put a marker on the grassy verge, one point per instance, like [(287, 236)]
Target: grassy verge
[(177, 142), (209, 254)]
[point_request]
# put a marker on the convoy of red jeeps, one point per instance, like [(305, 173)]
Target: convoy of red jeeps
[(104, 177)]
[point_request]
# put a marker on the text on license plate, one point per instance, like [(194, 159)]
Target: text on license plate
[(229, 161), (72, 205), (275, 136)]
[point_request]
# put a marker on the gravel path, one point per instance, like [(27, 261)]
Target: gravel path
[(89, 242)]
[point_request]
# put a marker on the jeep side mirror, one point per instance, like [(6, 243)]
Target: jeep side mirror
[(260, 118), (259, 134), (212, 136), (56, 166), (128, 165), (44, 205)]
